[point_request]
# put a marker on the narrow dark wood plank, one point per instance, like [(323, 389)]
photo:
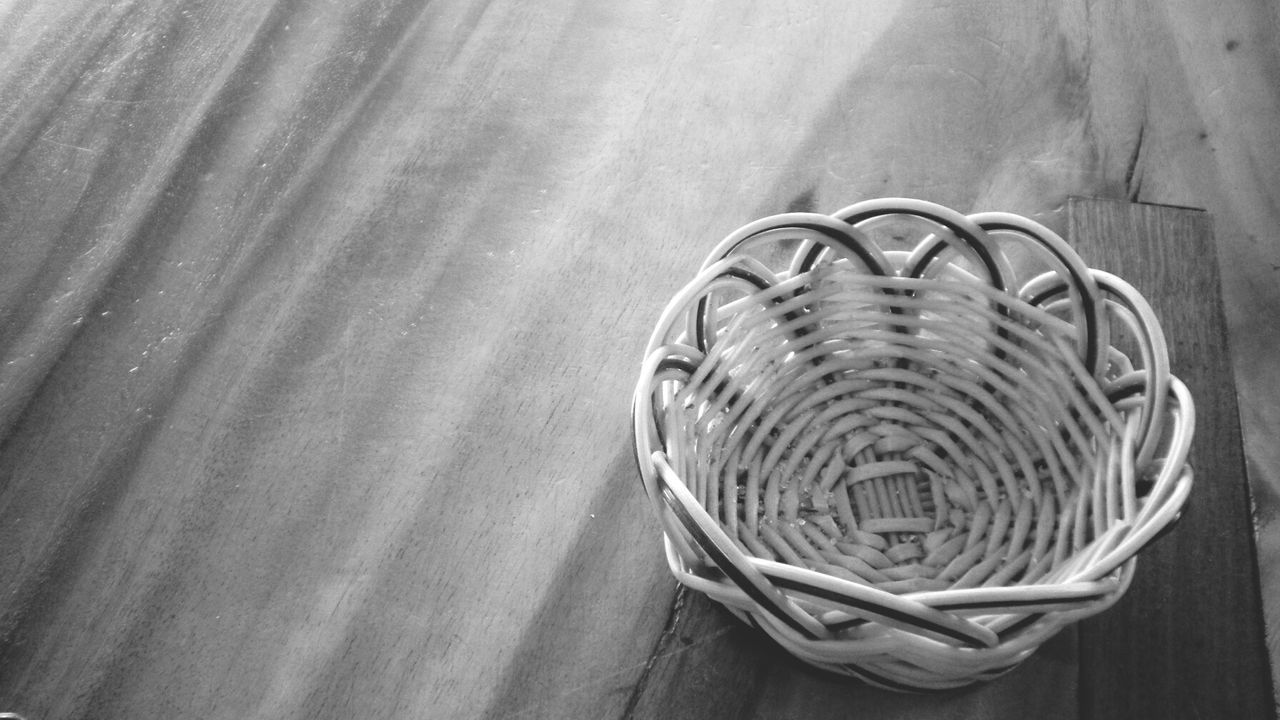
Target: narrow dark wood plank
[(1187, 639)]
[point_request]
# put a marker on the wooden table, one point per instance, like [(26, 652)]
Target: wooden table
[(318, 325)]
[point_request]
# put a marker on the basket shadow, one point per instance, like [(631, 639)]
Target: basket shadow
[(712, 666)]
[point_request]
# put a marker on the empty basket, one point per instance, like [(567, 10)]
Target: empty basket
[(910, 445)]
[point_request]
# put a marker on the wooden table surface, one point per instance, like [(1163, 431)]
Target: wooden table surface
[(319, 322)]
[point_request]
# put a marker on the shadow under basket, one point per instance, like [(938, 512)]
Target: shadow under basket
[(909, 444)]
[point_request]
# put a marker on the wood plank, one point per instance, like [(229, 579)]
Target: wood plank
[(1187, 639), (318, 320)]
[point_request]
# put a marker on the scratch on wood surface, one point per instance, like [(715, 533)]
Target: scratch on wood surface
[(999, 47), (69, 146)]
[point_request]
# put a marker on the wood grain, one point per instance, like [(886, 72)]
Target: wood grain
[(318, 321)]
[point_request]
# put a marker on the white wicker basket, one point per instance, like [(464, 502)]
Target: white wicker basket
[(909, 465)]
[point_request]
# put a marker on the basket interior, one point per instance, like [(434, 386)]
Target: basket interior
[(906, 433)]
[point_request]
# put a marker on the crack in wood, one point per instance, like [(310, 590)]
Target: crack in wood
[(658, 651), (1133, 174)]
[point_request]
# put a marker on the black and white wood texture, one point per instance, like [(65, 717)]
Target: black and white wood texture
[(319, 322)]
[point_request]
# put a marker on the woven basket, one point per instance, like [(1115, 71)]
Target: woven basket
[(909, 465)]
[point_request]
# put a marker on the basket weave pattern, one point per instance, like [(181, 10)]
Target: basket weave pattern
[(913, 465)]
